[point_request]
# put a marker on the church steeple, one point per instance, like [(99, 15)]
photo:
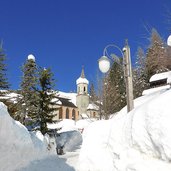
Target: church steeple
[(82, 83), (82, 99), (82, 72)]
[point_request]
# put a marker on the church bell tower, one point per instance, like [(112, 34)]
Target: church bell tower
[(82, 99)]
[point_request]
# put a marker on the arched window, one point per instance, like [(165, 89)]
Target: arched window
[(60, 113), (78, 90), (84, 89), (73, 114), (67, 113)]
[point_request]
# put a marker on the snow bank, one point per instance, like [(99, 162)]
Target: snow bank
[(17, 146), (70, 125), (156, 89), (83, 124), (69, 133), (66, 125), (137, 141), (70, 140)]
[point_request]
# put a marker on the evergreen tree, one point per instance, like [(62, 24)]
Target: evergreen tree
[(47, 96), (93, 96), (29, 103), (156, 60), (3, 78), (114, 90), (140, 76), (100, 93)]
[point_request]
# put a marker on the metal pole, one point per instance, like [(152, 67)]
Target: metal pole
[(128, 77)]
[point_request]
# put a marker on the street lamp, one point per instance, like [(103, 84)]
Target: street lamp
[(169, 41), (104, 66)]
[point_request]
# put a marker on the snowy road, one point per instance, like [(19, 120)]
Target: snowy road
[(66, 162)]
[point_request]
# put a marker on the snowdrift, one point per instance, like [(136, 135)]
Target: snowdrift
[(17, 146), (137, 141)]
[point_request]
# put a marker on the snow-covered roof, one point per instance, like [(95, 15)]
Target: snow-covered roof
[(56, 101), (70, 96), (92, 106), (82, 81), (161, 76), (84, 116), (13, 97)]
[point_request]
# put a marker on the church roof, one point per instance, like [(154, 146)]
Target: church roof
[(92, 106), (66, 102)]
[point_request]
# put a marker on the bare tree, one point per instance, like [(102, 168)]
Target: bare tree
[(156, 58)]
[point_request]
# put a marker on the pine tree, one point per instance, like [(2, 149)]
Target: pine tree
[(29, 103), (47, 96), (156, 60), (114, 89), (100, 93), (93, 96), (3, 78), (140, 76)]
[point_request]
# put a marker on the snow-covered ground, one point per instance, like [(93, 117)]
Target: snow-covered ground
[(137, 141)]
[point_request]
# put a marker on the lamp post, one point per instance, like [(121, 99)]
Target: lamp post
[(104, 66), (169, 41)]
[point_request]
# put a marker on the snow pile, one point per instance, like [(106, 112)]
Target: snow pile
[(82, 124), (70, 125), (70, 140), (17, 146), (137, 141), (65, 125), (156, 89), (69, 133)]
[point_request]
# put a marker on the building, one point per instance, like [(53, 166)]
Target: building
[(159, 82), (160, 79)]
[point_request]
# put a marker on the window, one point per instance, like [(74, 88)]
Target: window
[(67, 113), (60, 113), (73, 114)]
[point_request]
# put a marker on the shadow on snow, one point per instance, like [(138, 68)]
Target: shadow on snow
[(51, 163)]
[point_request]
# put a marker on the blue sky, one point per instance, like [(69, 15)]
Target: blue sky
[(66, 34)]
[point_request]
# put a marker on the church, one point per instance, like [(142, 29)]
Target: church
[(76, 105)]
